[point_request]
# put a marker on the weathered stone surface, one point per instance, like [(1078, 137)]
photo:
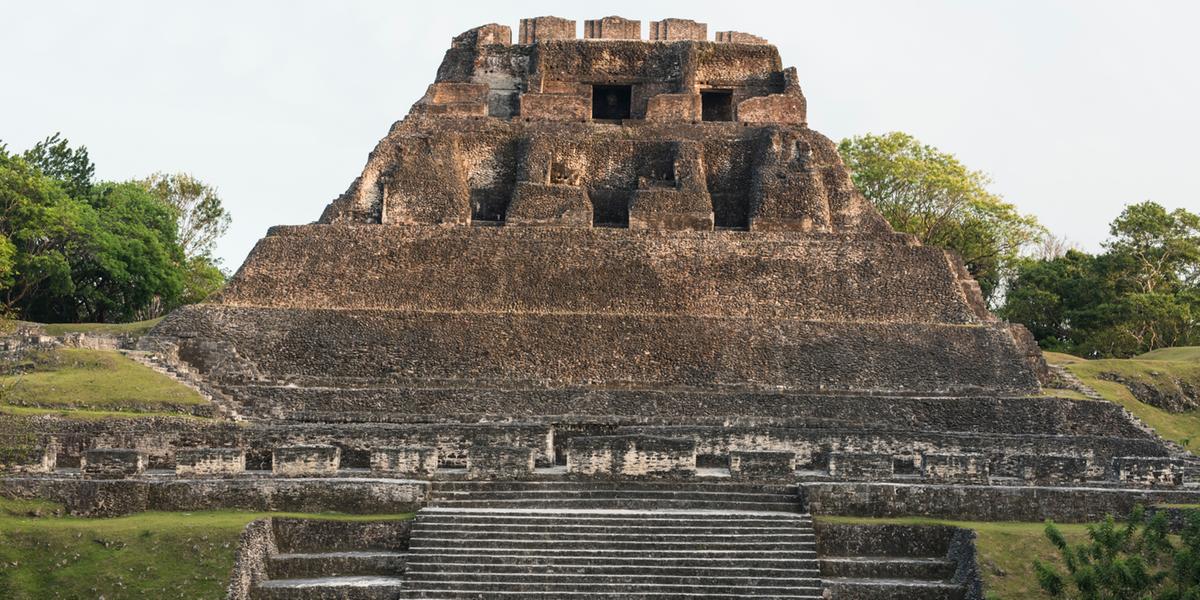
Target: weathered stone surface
[(763, 465), (112, 463), (631, 456), (860, 465), (669, 30), (1145, 471), (209, 462), (499, 462), (412, 461), (612, 28), (540, 29), (297, 461), (1041, 469), (954, 467)]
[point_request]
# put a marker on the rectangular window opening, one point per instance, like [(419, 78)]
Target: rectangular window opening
[(611, 102), (716, 105)]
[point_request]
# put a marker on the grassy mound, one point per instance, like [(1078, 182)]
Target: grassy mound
[(1005, 551), (93, 380), (1116, 379), (149, 555), (1182, 353), (136, 328)]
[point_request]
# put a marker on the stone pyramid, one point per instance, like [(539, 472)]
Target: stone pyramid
[(602, 227)]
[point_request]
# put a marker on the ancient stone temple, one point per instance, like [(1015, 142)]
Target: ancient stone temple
[(617, 322)]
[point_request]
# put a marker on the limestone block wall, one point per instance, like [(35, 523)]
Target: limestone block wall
[(499, 462), (762, 465), (297, 461), (412, 461), (209, 462), (955, 467), (1149, 471), (113, 463), (1041, 469), (631, 456), (852, 465)]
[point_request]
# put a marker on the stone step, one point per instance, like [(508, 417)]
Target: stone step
[(670, 486), (334, 564), (769, 560), (664, 518), (329, 588), (614, 588), (617, 493), (672, 567), (467, 592), (888, 567), (484, 530), (616, 535), (599, 545), (610, 553), (419, 579), (317, 536), (627, 502), (889, 589)]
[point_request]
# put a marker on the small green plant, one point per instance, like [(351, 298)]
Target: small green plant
[(1139, 560)]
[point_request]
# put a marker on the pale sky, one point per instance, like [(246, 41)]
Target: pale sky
[(1074, 108)]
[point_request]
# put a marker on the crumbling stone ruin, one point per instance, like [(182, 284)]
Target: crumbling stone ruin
[(616, 321)]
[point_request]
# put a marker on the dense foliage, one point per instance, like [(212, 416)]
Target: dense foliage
[(930, 194), (1137, 560), (73, 249), (1141, 293)]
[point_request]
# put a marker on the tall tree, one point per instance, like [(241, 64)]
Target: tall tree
[(55, 158), (38, 223), (202, 218), (930, 194), (1162, 247)]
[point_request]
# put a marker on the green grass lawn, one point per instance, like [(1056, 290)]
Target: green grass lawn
[(1183, 428), (1006, 551), (148, 555), (101, 381), (135, 328)]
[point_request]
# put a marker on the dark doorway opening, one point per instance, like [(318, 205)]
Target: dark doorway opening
[(716, 105), (611, 101)]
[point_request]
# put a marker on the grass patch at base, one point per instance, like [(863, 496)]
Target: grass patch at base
[(147, 555), (136, 328), (1005, 550), (94, 380)]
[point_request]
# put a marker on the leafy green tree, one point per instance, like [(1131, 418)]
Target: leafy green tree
[(55, 158), (38, 223), (1137, 560), (930, 194), (1162, 248), (202, 218)]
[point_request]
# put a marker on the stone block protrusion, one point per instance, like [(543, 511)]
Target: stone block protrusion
[(209, 462), (549, 205), (861, 466), (454, 100), (1148, 471), (112, 463), (302, 461), (484, 35), (789, 109), (554, 107), (408, 461), (762, 465), (673, 108), (738, 37), (673, 30), (681, 202), (40, 459), (499, 462), (540, 29), (612, 28), (955, 467), (1051, 469), (631, 456)]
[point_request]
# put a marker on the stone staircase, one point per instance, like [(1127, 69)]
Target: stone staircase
[(329, 560), (221, 405), (612, 540), (887, 562)]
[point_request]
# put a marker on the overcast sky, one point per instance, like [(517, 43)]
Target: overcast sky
[(1074, 108)]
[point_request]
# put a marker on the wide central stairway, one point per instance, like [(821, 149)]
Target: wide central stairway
[(611, 540)]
